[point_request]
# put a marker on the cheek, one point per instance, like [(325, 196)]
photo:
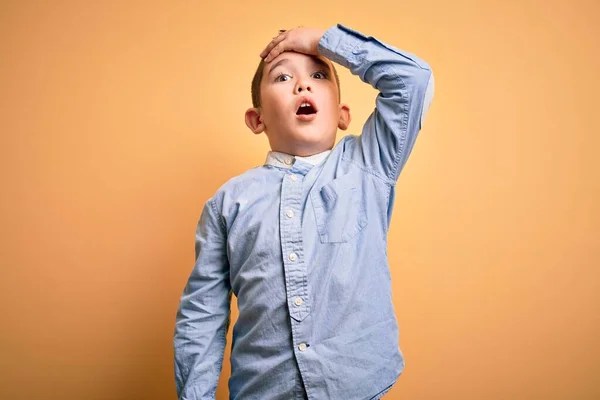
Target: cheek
[(331, 100), (273, 102), (332, 108), (269, 111)]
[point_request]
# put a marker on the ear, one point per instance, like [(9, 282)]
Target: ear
[(345, 117), (253, 120)]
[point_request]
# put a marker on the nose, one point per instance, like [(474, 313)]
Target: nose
[(301, 86)]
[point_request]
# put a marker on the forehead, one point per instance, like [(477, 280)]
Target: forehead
[(294, 59)]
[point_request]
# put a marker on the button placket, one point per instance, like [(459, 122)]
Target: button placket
[(291, 242), (295, 269)]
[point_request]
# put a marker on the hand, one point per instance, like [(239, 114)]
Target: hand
[(300, 39)]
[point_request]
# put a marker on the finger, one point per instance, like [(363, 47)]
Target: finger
[(277, 50), (276, 40)]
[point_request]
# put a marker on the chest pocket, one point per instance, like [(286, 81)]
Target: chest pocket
[(339, 209)]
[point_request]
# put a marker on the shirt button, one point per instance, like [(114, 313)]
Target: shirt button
[(302, 346), (288, 161), (293, 178), (298, 301), (293, 256), (289, 213)]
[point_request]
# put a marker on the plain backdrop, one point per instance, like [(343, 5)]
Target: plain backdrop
[(119, 119)]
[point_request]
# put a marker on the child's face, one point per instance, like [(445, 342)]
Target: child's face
[(288, 80)]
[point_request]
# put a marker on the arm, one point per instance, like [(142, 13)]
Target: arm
[(405, 85), (203, 316)]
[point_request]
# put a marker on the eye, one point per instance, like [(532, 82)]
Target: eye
[(281, 76), (320, 75)]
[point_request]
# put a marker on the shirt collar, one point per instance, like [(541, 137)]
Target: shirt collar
[(285, 160)]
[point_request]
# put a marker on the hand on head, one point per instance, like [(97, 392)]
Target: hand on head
[(301, 39)]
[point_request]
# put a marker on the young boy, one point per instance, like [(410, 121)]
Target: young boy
[(301, 241)]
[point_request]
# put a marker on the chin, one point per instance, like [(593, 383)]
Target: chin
[(309, 135)]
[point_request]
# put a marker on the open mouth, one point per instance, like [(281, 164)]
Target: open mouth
[(306, 109)]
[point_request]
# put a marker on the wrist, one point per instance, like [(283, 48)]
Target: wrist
[(318, 35)]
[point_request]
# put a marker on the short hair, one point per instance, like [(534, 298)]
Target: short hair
[(257, 79)]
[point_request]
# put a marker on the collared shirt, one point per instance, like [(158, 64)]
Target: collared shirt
[(302, 243), (284, 160)]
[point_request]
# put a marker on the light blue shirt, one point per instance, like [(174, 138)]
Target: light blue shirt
[(301, 242)]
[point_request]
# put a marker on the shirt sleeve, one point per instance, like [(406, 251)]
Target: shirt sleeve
[(203, 316), (405, 84)]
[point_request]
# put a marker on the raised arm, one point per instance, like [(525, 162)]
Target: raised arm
[(405, 85), (204, 313)]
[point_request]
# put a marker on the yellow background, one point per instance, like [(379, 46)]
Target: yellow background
[(119, 119)]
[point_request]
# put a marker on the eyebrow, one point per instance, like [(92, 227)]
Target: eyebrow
[(277, 64), (316, 60)]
